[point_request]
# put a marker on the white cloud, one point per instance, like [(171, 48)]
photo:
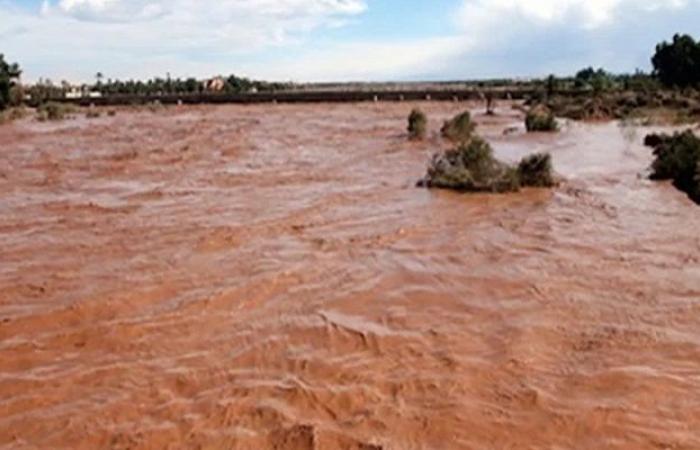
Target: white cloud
[(193, 11), (286, 39), (110, 10), (587, 14), (536, 37), (357, 61), (137, 38)]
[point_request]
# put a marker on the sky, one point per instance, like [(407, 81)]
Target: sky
[(336, 40)]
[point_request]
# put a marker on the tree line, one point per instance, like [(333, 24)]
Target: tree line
[(232, 84), (46, 89), (676, 64)]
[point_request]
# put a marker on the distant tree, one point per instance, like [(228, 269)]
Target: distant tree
[(639, 81), (595, 80), (44, 90), (552, 83), (490, 104), (585, 75), (162, 86), (191, 85), (237, 84), (678, 63), (9, 74)]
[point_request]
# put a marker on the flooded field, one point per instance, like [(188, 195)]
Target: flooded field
[(268, 277)]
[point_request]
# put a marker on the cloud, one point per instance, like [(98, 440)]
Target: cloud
[(365, 60), (130, 38), (584, 14), (536, 37), (195, 11), (110, 10), (298, 39)]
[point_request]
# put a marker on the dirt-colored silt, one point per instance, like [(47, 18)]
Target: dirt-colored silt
[(254, 277)]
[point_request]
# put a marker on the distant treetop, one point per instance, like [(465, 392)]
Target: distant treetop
[(9, 74), (677, 63)]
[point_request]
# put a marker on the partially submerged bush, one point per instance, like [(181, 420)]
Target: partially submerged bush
[(596, 108), (92, 113), (654, 140), (663, 107), (12, 114), (536, 170), (471, 167), (459, 129), (417, 124), (54, 111), (540, 118), (677, 159), (155, 106)]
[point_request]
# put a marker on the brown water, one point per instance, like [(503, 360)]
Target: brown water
[(252, 277)]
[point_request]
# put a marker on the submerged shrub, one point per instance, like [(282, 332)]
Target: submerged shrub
[(417, 124), (460, 128), (540, 118), (155, 106), (92, 113), (654, 140), (536, 170), (696, 195), (471, 167), (677, 159), (53, 111), (12, 114)]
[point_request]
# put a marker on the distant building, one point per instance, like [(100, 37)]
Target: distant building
[(74, 92), (216, 84), (80, 92)]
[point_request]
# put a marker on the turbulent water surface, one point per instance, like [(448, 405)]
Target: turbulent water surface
[(252, 277)]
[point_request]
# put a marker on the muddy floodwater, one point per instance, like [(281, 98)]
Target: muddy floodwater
[(268, 277)]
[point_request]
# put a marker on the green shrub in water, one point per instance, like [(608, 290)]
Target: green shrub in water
[(540, 118), (677, 159), (54, 111), (417, 124), (471, 167), (536, 170), (459, 129), (92, 113)]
